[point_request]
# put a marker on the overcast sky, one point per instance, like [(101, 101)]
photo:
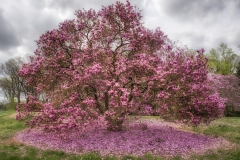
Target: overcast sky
[(195, 23)]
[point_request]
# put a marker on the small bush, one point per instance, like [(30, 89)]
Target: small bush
[(2, 106), (230, 111), (11, 105), (238, 70)]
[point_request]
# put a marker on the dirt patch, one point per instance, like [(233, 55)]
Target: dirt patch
[(12, 116)]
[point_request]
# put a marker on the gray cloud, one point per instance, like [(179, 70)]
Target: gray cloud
[(193, 9), (8, 37), (65, 6), (194, 23), (215, 20)]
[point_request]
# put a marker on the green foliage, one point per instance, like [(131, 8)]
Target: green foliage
[(222, 60), (229, 111)]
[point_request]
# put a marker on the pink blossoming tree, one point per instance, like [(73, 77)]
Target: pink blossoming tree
[(228, 87), (106, 64)]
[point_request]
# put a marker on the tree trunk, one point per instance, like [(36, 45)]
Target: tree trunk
[(115, 124)]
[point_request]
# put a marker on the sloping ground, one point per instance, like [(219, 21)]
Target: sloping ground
[(228, 87), (139, 137)]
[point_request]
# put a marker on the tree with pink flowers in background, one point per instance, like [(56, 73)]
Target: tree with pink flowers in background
[(106, 65)]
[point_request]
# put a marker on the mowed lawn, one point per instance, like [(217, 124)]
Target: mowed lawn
[(10, 149)]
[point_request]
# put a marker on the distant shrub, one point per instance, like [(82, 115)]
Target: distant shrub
[(2, 106), (228, 87), (230, 111)]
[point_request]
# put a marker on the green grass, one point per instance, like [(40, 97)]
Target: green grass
[(8, 125), (229, 128)]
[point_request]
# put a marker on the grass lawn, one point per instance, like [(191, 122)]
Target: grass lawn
[(229, 128)]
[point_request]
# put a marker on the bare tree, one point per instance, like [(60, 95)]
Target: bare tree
[(6, 86), (11, 84)]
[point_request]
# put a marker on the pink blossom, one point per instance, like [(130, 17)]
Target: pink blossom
[(137, 138)]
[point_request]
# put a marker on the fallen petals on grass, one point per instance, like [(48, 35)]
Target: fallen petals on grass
[(138, 137)]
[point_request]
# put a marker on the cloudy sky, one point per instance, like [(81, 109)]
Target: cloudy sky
[(195, 23)]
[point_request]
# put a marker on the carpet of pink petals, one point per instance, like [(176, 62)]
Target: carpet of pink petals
[(139, 137)]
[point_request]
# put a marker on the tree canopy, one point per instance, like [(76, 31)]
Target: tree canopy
[(223, 60), (106, 64)]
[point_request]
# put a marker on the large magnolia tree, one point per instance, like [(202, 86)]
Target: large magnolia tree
[(106, 64)]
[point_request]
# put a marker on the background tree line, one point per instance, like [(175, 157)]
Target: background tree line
[(223, 60)]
